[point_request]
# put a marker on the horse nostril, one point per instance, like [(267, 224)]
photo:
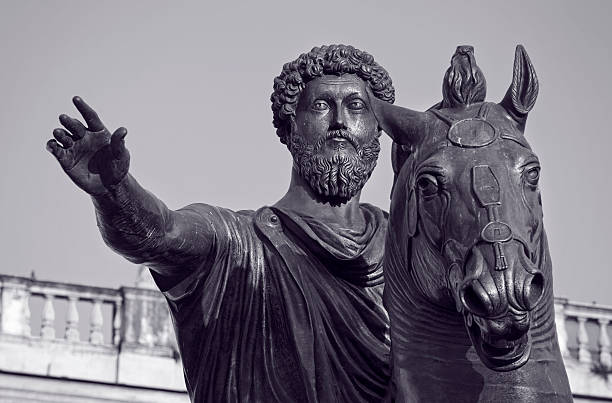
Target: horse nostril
[(533, 291), (476, 299)]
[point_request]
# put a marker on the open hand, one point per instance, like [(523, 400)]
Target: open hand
[(94, 159)]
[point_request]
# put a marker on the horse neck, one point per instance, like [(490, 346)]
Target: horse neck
[(419, 326)]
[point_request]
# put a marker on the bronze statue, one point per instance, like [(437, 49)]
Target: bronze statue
[(467, 268), (283, 303)]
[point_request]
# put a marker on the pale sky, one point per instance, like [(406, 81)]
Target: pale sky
[(191, 81)]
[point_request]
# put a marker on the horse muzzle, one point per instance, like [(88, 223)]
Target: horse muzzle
[(502, 344), (497, 303)]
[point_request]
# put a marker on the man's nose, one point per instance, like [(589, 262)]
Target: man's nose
[(338, 120)]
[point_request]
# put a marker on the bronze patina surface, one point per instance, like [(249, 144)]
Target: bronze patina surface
[(281, 304), (467, 267), (285, 303)]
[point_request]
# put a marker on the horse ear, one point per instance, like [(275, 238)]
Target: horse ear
[(523, 91), (521, 96)]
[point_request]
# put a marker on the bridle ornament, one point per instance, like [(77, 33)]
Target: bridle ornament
[(477, 132)]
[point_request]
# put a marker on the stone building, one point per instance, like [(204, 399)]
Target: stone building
[(64, 342)]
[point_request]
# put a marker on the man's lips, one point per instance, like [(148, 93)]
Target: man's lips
[(338, 143), (337, 140)]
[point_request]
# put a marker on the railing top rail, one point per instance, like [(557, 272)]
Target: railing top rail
[(567, 302), (584, 309), (62, 289)]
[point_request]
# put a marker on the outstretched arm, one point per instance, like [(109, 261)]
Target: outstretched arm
[(133, 222)]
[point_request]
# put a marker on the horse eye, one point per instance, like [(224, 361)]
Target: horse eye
[(532, 176), (428, 185)]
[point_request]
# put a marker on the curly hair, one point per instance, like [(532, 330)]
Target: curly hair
[(332, 59)]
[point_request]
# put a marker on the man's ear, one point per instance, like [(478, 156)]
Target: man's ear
[(291, 129)]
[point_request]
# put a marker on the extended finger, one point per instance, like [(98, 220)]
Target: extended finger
[(63, 137), (58, 152), (76, 128), (91, 117), (118, 142)]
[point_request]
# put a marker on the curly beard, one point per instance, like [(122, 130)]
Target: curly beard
[(340, 176)]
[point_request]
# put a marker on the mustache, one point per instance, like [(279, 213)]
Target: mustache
[(339, 133)]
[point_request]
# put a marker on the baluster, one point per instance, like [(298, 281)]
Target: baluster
[(72, 320), (47, 328), (128, 318), (117, 324), (15, 301), (146, 336), (97, 320), (561, 330), (26, 313), (164, 334), (604, 343), (584, 356)]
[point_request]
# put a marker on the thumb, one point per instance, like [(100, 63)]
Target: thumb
[(117, 143)]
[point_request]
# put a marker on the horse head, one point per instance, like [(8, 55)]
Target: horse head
[(466, 199)]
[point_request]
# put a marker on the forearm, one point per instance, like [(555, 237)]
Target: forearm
[(402, 124), (139, 226)]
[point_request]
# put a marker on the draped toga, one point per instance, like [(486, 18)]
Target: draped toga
[(283, 308)]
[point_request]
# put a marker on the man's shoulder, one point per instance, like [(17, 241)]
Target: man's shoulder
[(207, 210), (264, 215), (238, 219)]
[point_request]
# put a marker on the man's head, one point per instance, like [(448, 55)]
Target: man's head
[(322, 113)]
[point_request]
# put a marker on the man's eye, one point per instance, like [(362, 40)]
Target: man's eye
[(320, 106), (357, 104)]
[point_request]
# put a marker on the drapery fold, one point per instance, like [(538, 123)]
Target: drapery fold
[(285, 308)]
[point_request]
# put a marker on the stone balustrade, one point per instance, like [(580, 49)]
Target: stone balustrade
[(16, 312), (124, 337), (584, 339), (586, 348), (119, 337), (138, 317)]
